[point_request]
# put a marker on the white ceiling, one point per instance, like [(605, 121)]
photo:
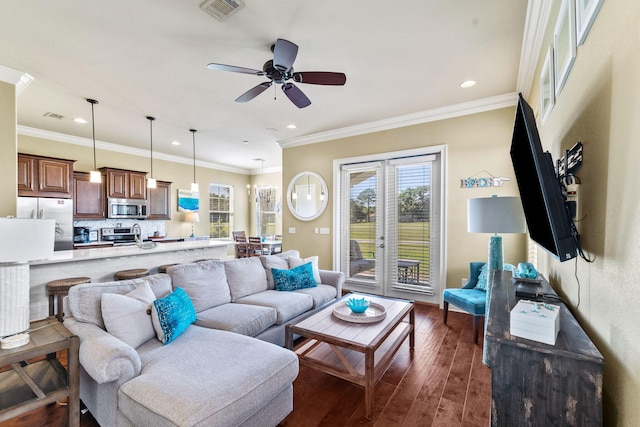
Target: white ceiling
[(144, 57)]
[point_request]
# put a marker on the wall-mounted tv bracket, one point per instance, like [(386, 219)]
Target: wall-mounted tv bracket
[(570, 163)]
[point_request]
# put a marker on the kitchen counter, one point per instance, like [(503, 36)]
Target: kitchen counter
[(101, 263), (110, 251)]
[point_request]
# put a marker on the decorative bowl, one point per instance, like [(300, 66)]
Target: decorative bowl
[(357, 305)]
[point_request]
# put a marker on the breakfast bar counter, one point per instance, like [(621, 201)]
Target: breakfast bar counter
[(100, 264)]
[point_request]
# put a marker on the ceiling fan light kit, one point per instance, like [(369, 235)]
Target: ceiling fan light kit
[(279, 70)]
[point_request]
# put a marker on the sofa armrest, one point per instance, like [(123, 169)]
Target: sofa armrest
[(103, 356), (332, 278)]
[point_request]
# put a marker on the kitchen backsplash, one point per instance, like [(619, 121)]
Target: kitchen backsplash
[(149, 227)]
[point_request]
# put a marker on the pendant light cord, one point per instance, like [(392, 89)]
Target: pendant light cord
[(193, 133), (93, 130), (151, 119)]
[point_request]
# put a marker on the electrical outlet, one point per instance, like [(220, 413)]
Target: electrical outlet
[(573, 201), (464, 281)]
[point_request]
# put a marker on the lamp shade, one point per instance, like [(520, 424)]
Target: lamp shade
[(495, 215), (191, 217), (26, 239)]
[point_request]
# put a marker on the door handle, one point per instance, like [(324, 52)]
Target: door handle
[(381, 246)]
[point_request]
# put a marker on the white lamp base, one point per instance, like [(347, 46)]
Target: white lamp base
[(14, 305), (15, 341)]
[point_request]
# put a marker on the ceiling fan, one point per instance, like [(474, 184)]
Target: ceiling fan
[(279, 70)]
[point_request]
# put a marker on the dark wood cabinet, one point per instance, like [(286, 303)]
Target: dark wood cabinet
[(125, 184), (159, 201), (539, 384), (44, 177), (88, 197)]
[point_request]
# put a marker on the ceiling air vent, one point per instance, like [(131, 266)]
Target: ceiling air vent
[(53, 115), (221, 9)]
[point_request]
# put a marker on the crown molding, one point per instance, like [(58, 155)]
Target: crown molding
[(18, 78), (442, 113), (534, 29), (108, 146)]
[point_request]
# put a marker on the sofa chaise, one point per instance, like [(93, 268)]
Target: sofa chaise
[(226, 368)]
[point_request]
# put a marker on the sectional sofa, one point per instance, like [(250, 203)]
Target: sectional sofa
[(227, 367)]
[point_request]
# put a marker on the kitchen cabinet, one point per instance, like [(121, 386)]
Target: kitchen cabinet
[(88, 197), (44, 177), (125, 184), (159, 201)]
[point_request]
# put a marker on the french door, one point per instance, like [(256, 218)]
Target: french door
[(389, 222)]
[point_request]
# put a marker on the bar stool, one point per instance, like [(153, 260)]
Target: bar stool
[(133, 273), (59, 289), (163, 268)]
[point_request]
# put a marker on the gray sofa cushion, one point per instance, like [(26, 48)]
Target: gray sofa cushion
[(245, 276), (167, 393), (321, 294), (239, 318), (85, 299), (205, 282), (287, 304), (279, 261)]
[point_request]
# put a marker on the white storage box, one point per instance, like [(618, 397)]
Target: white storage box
[(536, 321)]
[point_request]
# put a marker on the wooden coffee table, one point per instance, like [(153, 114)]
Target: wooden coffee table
[(357, 352)]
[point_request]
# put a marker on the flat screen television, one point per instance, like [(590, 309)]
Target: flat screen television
[(541, 192)]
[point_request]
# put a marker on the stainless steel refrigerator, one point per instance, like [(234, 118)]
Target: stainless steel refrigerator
[(59, 209)]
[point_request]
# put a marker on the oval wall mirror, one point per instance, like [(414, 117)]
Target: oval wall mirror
[(307, 196)]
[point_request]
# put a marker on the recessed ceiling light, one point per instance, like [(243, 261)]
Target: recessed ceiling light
[(80, 120), (468, 83), (175, 142), (291, 126)]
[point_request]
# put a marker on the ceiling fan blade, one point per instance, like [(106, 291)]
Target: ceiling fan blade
[(295, 95), (253, 92), (284, 53), (320, 78), (234, 69)]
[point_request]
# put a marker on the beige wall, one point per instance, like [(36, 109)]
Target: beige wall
[(8, 159), (179, 174), (600, 106), (476, 143)]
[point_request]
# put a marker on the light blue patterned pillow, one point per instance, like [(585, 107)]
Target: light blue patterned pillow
[(482, 277), (172, 315), (296, 278)]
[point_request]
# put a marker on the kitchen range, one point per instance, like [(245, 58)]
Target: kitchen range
[(122, 236)]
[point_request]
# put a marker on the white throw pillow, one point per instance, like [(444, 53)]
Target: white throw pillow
[(296, 262), (127, 316)]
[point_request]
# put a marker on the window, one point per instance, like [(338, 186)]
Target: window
[(267, 206), (220, 211)]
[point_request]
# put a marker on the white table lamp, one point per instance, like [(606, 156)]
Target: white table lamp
[(191, 217), (23, 240)]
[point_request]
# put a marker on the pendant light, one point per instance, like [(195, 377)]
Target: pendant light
[(194, 184), (94, 175), (151, 181)]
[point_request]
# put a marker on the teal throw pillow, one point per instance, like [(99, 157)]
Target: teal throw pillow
[(172, 315), (300, 277), (482, 277)]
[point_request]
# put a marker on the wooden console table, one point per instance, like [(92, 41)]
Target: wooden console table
[(29, 381), (538, 384)]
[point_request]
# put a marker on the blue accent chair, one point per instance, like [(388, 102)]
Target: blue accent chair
[(471, 300)]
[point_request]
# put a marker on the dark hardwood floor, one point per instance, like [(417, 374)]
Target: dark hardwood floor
[(441, 383)]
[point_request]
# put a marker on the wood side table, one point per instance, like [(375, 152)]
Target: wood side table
[(25, 386)]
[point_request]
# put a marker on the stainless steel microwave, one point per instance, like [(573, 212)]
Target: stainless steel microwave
[(127, 208)]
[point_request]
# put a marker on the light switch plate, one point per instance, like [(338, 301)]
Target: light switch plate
[(292, 230), (324, 230)]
